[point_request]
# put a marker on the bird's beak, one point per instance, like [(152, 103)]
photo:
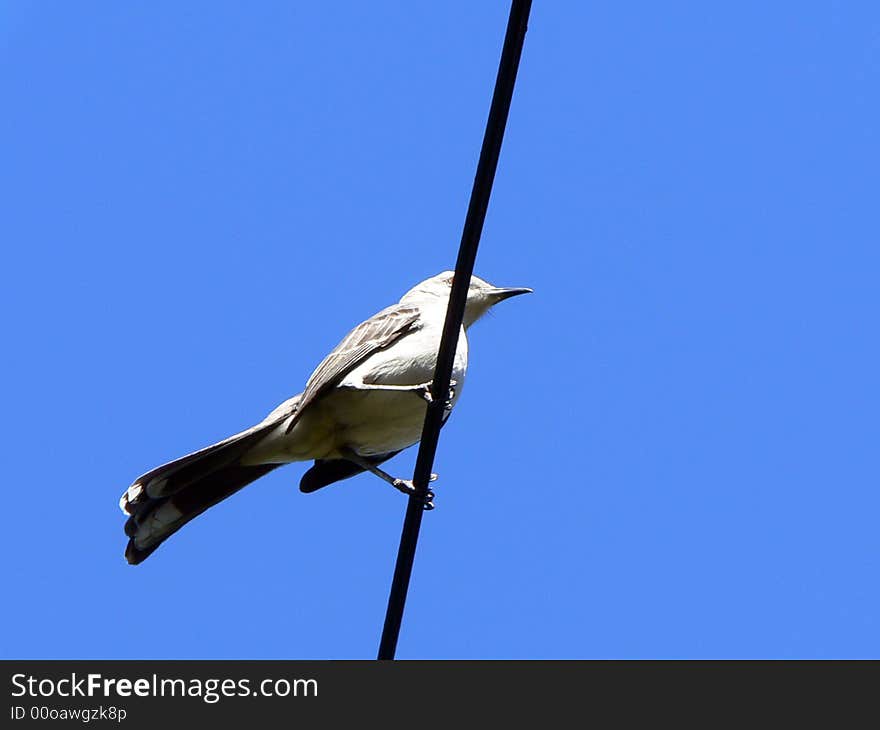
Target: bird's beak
[(499, 294)]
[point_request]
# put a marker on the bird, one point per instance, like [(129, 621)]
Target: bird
[(364, 403)]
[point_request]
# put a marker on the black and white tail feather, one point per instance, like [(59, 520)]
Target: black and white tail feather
[(164, 499)]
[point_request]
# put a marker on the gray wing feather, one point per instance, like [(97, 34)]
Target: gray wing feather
[(378, 332)]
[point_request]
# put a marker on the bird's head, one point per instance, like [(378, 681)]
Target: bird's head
[(482, 295)]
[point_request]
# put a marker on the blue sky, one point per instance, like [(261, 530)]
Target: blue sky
[(200, 199)]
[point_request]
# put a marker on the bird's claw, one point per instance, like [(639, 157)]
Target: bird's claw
[(424, 391), (403, 485), (448, 404), (407, 487)]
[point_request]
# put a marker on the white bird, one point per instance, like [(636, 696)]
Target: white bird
[(363, 404)]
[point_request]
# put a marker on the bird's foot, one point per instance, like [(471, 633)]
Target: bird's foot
[(448, 404), (408, 488), (424, 390)]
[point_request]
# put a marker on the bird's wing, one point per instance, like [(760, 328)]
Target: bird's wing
[(378, 332)]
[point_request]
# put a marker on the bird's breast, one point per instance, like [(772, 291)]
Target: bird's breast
[(377, 421)]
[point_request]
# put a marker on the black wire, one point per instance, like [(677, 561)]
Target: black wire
[(464, 267)]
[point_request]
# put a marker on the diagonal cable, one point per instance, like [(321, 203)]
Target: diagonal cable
[(464, 268)]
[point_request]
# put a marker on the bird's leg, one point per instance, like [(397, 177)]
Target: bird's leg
[(423, 390), (403, 485), (419, 389)]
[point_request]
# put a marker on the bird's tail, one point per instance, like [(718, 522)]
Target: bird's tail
[(163, 500)]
